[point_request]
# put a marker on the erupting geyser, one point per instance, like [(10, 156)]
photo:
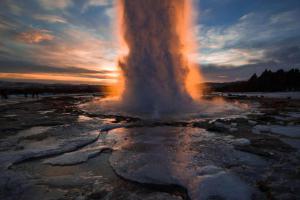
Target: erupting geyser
[(156, 73)]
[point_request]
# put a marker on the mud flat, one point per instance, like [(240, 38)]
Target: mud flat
[(52, 148)]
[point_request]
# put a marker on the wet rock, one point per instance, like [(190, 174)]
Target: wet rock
[(258, 129), (13, 184), (69, 181), (253, 150), (98, 195), (218, 127)]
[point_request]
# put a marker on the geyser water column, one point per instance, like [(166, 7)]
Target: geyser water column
[(157, 75)]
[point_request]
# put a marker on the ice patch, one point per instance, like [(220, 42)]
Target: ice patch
[(173, 156), (33, 131), (289, 131), (258, 129), (222, 185), (295, 115), (61, 146), (73, 158)]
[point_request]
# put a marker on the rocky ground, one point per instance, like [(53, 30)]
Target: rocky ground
[(53, 148)]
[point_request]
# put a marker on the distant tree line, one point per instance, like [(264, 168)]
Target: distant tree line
[(34, 90), (268, 81)]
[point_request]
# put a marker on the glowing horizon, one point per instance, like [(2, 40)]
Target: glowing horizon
[(38, 35)]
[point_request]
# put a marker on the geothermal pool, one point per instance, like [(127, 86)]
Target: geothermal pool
[(63, 148)]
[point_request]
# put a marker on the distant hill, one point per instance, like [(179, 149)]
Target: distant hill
[(268, 81)]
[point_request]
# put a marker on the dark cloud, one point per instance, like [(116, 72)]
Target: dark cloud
[(26, 67), (289, 55), (274, 59)]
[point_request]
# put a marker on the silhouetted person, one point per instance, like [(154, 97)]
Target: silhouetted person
[(32, 94)]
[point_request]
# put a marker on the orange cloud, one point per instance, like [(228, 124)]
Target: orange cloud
[(76, 48), (35, 36), (64, 78)]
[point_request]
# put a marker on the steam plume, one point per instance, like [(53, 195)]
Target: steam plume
[(157, 75)]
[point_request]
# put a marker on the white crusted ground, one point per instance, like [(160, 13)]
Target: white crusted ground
[(165, 155), (54, 148), (74, 157)]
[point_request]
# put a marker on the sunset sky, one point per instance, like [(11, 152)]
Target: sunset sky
[(75, 41)]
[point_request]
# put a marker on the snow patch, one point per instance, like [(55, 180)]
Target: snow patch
[(66, 145), (73, 158)]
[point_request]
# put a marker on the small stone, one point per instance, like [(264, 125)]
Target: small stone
[(260, 128), (241, 142), (208, 170), (252, 122), (233, 124)]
